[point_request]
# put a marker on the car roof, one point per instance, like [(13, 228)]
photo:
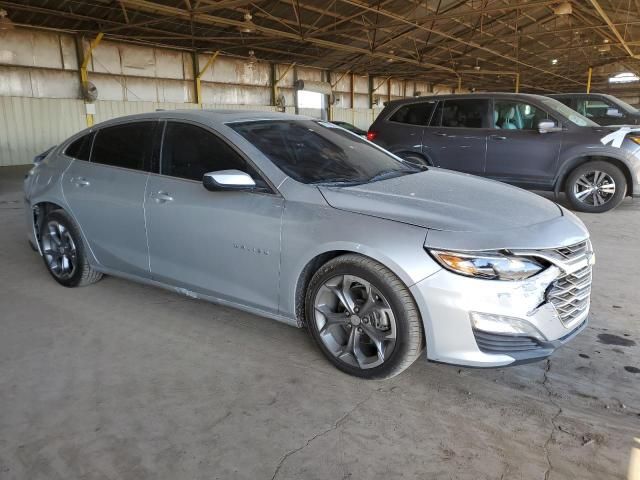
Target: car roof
[(481, 95), (214, 117), (580, 94)]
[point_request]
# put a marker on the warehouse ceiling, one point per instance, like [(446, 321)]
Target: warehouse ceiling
[(485, 42)]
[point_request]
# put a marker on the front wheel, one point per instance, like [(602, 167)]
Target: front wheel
[(363, 318), (595, 187)]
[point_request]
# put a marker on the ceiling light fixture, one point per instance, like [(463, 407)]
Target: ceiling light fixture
[(5, 21), (554, 61), (564, 8), (248, 26)]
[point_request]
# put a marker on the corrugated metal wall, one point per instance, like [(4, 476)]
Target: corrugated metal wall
[(40, 102), (30, 125)]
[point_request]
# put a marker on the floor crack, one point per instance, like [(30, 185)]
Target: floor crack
[(333, 427), (555, 427)]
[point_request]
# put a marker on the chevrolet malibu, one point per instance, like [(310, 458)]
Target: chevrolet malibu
[(301, 221)]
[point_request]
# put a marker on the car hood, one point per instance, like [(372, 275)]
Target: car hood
[(462, 211), (444, 200)]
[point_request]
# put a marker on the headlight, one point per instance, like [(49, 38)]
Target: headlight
[(489, 265)]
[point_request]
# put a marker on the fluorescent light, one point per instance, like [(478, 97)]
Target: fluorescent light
[(554, 61), (625, 77)]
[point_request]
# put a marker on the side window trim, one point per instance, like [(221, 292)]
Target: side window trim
[(236, 150)]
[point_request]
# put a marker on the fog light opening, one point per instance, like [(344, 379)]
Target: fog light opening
[(504, 325)]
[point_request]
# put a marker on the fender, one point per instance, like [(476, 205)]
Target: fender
[(580, 153)]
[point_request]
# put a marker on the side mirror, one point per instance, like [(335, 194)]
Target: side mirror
[(228, 180), (548, 126)]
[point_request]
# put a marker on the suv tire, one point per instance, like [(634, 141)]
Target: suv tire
[(595, 187), (363, 318)]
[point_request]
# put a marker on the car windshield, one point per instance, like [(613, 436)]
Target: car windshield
[(625, 106), (571, 115), (317, 152)]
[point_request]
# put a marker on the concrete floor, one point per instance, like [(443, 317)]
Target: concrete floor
[(123, 381)]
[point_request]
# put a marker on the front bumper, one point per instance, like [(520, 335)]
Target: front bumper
[(446, 300)]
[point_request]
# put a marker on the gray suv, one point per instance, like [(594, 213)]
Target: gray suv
[(531, 141)]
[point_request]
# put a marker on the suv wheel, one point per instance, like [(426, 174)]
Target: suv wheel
[(63, 251), (363, 318), (596, 187)]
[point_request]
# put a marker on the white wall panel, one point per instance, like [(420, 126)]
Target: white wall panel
[(29, 126), (15, 82), (311, 112), (235, 94)]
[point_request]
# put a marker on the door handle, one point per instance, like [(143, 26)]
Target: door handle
[(161, 197), (498, 137), (440, 134), (80, 182)]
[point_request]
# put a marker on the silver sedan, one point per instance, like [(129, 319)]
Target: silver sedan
[(301, 221)]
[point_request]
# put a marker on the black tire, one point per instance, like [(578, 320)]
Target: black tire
[(82, 273), (415, 159), (587, 169), (409, 342)]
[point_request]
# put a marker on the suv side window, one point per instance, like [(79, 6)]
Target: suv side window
[(510, 115), (80, 149), (416, 114), (128, 145), (189, 151), (464, 113)]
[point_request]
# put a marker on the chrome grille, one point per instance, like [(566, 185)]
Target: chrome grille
[(568, 255), (570, 295)]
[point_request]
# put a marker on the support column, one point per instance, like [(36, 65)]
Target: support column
[(210, 62), (84, 76), (589, 73)]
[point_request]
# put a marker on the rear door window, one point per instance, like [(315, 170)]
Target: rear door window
[(465, 113), (415, 114), (80, 149), (127, 146)]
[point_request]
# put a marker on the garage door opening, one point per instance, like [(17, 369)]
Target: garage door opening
[(312, 104)]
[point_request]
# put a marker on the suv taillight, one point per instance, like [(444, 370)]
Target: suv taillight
[(371, 135)]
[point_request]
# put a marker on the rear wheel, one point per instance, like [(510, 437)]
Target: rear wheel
[(596, 187), (63, 251), (363, 318)]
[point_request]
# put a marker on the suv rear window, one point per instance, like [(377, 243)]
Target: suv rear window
[(416, 114)]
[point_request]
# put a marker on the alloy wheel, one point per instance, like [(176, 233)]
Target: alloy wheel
[(355, 321), (59, 250), (594, 188)]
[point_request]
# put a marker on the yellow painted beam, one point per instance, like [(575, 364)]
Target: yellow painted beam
[(84, 76), (517, 83), (206, 67), (589, 73)]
